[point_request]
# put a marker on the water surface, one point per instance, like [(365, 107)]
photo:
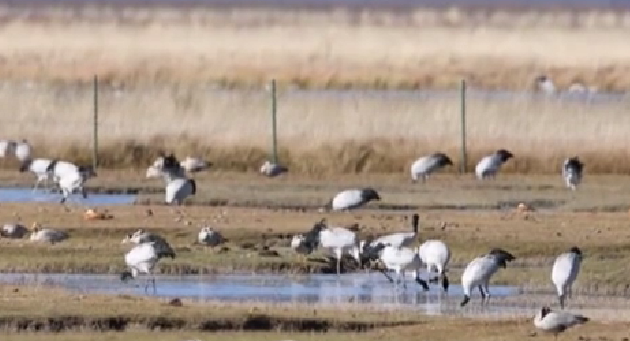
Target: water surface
[(44, 195)]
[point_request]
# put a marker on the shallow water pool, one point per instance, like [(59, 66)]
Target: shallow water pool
[(44, 195)]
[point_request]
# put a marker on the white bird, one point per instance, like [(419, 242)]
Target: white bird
[(192, 164), (400, 239), (47, 235), (141, 259), (480, 270), (297, 240), (556, 322), (40, 167), (16, 231), (400, 259), (141, 236), (572, 172), (436, 255), (208, 236), (70, 182), (352, 198), (565, 270), (545, 84), (424, 166), (340, 239), (578, 88), (23, 150), (178, 186), (272, 169), (7, 147), (489, 165)]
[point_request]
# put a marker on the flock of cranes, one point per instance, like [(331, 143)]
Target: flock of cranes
[(393, 251)]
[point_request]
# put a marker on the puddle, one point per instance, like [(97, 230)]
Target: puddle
[(28, 195), (371, 290)]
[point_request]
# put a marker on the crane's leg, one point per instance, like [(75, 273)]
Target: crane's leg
[(483, 294), (391, 280), (487, 287), (445, 282), (422, 282), (338, 254), (404, 282)]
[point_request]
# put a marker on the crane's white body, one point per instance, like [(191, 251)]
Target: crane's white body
[(271, 169), (398, 239), (16, 231), (192, 164), (572, 176), (7, 147), (564, 272), (488, 166), (48, 235), (141, 259), (400, 259), (556, 322), (159, 243), (23, 150), (479, 271), (340, 240), (352, 198), (426, 165), (435, 254), (178, 186), (39, 167)]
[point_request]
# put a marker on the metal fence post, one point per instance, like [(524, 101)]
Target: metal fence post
[(464, 154), (274, 132), (95, 125)]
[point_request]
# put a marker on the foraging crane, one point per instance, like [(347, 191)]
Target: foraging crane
[(436, 255), (400, 259), (141, 236), (490, 165), (208, 236), (352, 198), (479, 271), (424, 166), (272, 169), (72, 181), (141, 259), (178, 186), (572, 172), (340, 239), (565, 270), (23, 150)]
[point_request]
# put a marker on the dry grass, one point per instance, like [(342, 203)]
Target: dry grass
[(319, 133), (315, 49), (169, 62)]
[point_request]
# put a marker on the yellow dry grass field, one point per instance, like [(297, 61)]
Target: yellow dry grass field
[(315, 48), (318, 133), (166, 63)]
